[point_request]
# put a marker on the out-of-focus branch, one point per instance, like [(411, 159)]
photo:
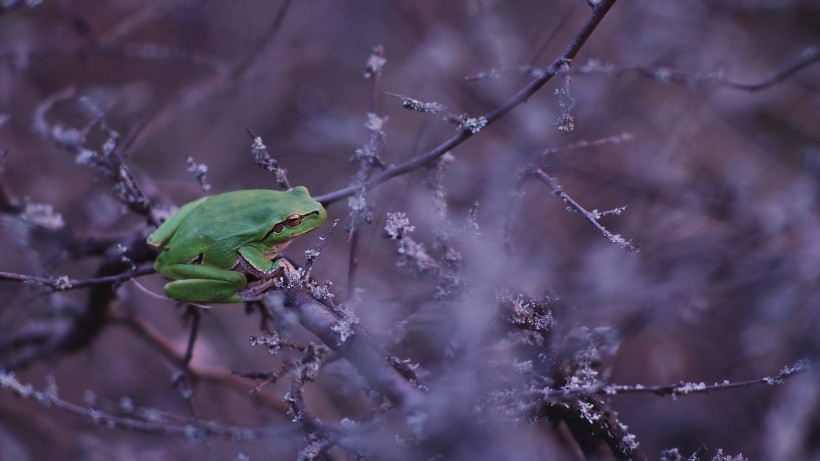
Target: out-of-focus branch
[(368, 159), (84, 324), (807, 57), (156, 424), (11, 5), (354, 344), (204, 89), (156, 340), (107, 162)]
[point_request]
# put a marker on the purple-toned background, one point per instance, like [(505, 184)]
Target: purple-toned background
[(721, 187)]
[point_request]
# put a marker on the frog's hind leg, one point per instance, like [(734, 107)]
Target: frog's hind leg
[(202, 291), (203, 284)]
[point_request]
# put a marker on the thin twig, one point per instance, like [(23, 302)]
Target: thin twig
[(807, 57), (588, 215), (674, 390), (183, 378), (266, 162), (63, 283), (202, 90), (368, 158), (161, 344), (314, 253), (192, 432)]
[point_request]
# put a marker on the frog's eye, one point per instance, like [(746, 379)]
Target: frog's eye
[(293, 220)]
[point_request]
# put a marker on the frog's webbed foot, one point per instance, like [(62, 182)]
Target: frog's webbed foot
[(273, 269), (261, 281), (255, 291)]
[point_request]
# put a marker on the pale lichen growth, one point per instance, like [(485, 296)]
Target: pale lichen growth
[(344, 328), (258, 147), (629, 442), (397, 224), (374, 122), (417, 421), (126, 404), (199, 170), (472, 220), (615, 211), (420, 106), (42, 215), (348, 423), (375, 63), (588, 412), (360, 210), (663, 74), (61, 283), (473, 124), (414, 253), (594, 66), (273, 343), (566, 121)]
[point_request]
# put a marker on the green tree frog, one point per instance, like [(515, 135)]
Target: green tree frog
[(209, 245)]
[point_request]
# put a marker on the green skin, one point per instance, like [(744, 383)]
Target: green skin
[(208, 246)]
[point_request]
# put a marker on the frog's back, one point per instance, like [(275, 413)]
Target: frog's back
[(233, 217)]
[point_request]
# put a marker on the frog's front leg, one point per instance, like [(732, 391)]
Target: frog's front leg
[(203, 284), (259, 264)]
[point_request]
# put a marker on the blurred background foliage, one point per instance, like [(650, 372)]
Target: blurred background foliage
[(721, 188)]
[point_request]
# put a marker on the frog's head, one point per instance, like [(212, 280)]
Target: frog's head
[(302, 214)]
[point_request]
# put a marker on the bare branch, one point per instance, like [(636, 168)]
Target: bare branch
[(153, 422), (266, 162), (807, 57), (598, 13), (64, 283), (592, 217), (674, 390)]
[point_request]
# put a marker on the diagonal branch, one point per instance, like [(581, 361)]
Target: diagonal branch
[(358, 347), (588, 215), (598, 12)]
